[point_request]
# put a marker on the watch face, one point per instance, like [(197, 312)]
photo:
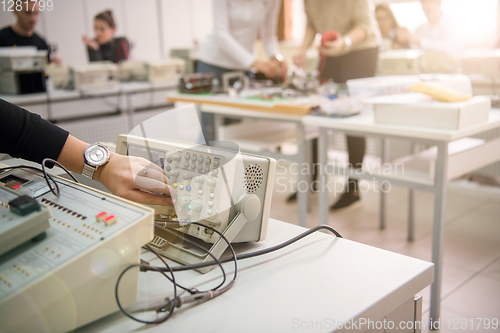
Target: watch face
[(96, 155)]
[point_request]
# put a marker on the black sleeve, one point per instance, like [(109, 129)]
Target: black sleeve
[(26, 135), (94, 55)]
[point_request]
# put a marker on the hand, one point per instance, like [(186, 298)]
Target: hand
[(299, 59), (124, 176), (280, 66), (266, 67), (90, 43), (333, 47), (56, 60)]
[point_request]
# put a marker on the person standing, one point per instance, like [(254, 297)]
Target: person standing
[(352, 55), (230, 44)]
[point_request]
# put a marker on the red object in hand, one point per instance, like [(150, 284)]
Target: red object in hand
[(326, 37)]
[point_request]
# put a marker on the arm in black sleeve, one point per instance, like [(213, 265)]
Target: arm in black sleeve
[(94, 55), (26, 135)]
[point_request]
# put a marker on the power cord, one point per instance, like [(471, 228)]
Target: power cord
[(195, 295)]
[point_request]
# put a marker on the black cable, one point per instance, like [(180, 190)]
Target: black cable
[(260, 252), (193, 291), (158, 321), (59, 165), (45, 175)]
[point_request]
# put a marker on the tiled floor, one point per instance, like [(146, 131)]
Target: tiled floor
[(471, 272)]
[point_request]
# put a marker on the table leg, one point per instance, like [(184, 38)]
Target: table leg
[(310, 178), (383, 195), (302, 190), (218, 123), (322, 189), (438, 229), (411, 204)]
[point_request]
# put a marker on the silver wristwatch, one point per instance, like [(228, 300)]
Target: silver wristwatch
[(347, 43), (95, 155)]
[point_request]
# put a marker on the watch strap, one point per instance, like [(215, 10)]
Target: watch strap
[(88, 170)]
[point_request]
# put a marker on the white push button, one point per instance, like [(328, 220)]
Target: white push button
[(211, 182), (176, 157), (187, 176), (212, 195)]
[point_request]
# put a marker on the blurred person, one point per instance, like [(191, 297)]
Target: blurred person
[(22, 32), (352, 54), (105, 46), (26, 135), (439, 34), (230, 44), (389, 26)]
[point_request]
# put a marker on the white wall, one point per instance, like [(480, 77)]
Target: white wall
[(176, 26)]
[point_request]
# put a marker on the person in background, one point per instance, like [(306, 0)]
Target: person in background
[(439, 34), (105, 46), (230, 44), (26, 135), (389, 27), (352, 54), (22, 32)]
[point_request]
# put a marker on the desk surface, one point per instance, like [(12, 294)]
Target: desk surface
[(318, 278), (365, 123), (295, 107)]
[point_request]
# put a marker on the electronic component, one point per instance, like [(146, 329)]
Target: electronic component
[(132, 70), (224, 189), (95, 75), (196, 83), (68, 279), (399, 62), (23, 70)]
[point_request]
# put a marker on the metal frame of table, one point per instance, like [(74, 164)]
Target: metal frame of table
[(363, 125)]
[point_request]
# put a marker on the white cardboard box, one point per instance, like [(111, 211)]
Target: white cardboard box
[(419, 110)]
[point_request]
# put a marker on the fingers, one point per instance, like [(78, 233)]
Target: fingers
[(149, 198), (150, 184)]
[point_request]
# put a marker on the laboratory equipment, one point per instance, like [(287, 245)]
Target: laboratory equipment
[(399, 62), (132, 70), (481, 62), (165, 69), (196, 83), (23, 70), (224, 189), (95, 75), (68, 278)]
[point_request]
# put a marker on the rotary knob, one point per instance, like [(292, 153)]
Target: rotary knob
[(174, 173), (199, 180), (196, 206), (183, 202), (187, 175), (176, 157)]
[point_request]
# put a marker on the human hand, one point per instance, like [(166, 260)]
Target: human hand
[(333, 47), (90, 42), (56, 60), (266, 67), (281, 66), (299, 59), (124, 176)]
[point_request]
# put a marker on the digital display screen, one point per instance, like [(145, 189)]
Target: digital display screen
[(152, 155), (13, 182)]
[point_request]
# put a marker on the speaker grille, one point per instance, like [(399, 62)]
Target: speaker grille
[(252, 180)]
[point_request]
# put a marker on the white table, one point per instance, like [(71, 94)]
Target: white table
[(364, 124), (316, 279), (223, 106)]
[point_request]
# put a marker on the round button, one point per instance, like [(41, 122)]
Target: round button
[(216, 163), (186, 164), (211, 182), (188, 188), (169, 159), (200, 180), (200, 159), (176, 157), (183, 202), (200, 167), (193, 166), (215, 171), (173, 173), (168, 168), (207, 169), (207, 160), (187, 157), (200, 192), (194, 158)]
